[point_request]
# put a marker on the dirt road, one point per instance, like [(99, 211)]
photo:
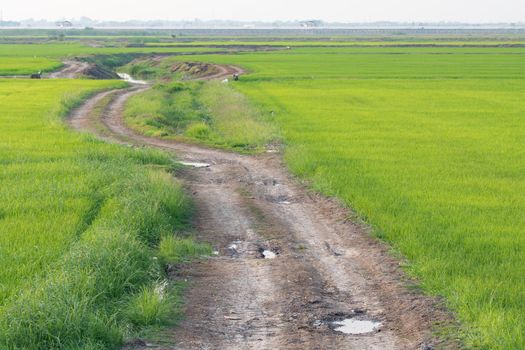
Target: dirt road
[(72, 69), (322, 274)]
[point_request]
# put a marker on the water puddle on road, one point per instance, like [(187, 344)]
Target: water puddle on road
[(196, 164), (268, 254), (355, 323), (126, 77), (352, 326)]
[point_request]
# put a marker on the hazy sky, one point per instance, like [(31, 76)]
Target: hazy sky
[(268, 10)]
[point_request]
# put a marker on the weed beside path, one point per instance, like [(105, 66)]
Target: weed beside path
[(426, 145), (208, 111), (80, 223)]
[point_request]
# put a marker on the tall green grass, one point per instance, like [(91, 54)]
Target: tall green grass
[(436, 168), (27, 65), (209, 112), (377, 63), (424, 143), (79, 226), (427, 146)]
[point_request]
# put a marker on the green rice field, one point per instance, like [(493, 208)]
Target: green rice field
[(80, 223), (425, 144)]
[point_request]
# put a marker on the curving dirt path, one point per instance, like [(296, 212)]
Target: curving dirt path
[(327, 268), (72, 69)]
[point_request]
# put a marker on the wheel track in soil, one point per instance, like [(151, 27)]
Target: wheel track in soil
[(327, 267), (71, 69)]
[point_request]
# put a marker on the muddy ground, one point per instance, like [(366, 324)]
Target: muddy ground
[(325, 267)]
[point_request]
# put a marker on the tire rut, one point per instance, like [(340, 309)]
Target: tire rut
[(326, 268)]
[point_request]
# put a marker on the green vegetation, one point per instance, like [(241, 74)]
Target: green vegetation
[(426, 145), (378, 63), (436, 168), (26, 65), (80, 221), (337, 43), (209, 112), (174, 249), (60, 50), (151, 305), (144, 69), (26, 58)]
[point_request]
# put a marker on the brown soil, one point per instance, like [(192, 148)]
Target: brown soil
[(193, 70), (76, 69), (72, 69), (327, 267)]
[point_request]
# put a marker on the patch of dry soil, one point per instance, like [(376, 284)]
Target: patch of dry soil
[(72, 69)]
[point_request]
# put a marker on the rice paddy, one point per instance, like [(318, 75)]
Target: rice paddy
[(425, 144), (79, 223)]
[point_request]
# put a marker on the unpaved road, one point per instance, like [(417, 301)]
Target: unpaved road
[(326, 268), (72, 69)]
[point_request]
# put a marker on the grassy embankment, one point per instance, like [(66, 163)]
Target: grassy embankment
[(205, 111), (209, 112), (21, 59), (426, 144), (85, 227)]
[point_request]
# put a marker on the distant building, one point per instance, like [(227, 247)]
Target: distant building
[(65, 24)]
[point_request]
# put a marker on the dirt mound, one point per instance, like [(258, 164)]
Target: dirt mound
[(195, 69), (78, 68), (96, 71)]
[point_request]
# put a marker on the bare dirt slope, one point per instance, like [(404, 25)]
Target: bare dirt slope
[(326, 267), (72, 69)]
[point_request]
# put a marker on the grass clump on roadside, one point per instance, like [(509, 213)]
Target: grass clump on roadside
[(208, 112), (173, 249), (81, 222), (151, 305)]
